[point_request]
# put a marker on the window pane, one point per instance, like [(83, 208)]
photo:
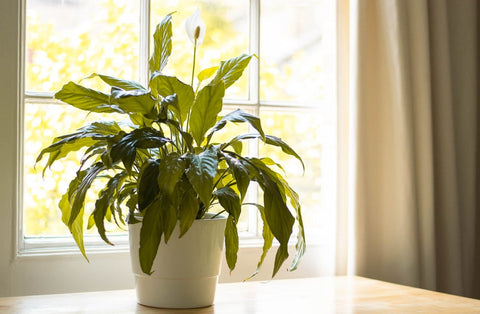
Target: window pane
[(41, 195), (312, 136), (291, 50), (226, 37), (70, 39)]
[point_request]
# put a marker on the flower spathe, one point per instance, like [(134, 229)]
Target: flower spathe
[(195, 28)]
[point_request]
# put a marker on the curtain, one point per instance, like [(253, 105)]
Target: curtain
[(409, 79)]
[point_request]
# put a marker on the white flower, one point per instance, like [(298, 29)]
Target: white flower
[(195, 28)]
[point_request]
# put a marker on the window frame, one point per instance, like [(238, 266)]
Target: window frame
[(28, 268)]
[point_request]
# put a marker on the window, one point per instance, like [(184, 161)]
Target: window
[(289, 87)]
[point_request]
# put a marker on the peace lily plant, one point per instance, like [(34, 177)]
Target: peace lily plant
[(163, 164)]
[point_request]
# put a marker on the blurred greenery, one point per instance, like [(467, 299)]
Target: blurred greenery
[(68, 40)]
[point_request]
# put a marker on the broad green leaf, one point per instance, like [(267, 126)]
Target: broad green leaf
[(171, 169), (240, 173), (188, 205), (200, 174), (206, 74), (92, 135), (164, 86), (76, 228), (103, 203), (267, 239), (113, 81), (126, 148), (147, 184), (169, 217), (231, 243), (162, 44), (231, 70), (270, 140), (85, 98), (77, 197), (277, 214), (150, 235), (137, 101), (238, 116), (230, 201), (205, 110), (270, 162)]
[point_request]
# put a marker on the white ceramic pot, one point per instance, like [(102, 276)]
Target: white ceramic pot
[(185, 270)]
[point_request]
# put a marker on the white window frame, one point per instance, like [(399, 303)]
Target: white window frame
[(40, 265)]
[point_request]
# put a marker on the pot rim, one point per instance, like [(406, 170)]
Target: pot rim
[(206, 217)]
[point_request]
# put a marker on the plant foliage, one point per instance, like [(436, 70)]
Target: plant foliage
[(163, 165)]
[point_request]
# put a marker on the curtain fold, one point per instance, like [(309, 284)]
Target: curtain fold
[(413, 97)]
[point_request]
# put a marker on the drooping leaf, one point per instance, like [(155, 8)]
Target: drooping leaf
[(76, 228), (267, 236), (187, 205), (231, 70), (85, 98), (164, 86), (77, 197), (126, 148), (205, 110), (120, 83), (270, 140), (231, 242), (230, 201), (92, 135), (147, 188), (277, 214), (162, 45), (136, 101), (238, 116), (150, 235), (104, 202), (200, 173), (170, 171), (240, 173)]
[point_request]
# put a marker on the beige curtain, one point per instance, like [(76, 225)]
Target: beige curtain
[(409, 76)]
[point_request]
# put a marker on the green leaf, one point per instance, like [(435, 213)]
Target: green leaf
[(171, 169), (162, 44), (238, 116), (76, 228), (104, 202), (113, 81), (147, 184), (206, 74), (85, 98), (230, 201), (164, 86), (136, 101), (78, 195), (150, 235), (231, 70), (231, 243), (187, 205), (205, 110), (277, 214), (126, 148), (270, 140), (240, 173), (200, 174), (267, 236), (93, 135)]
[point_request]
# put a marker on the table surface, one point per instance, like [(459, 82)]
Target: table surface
[(298, 296)]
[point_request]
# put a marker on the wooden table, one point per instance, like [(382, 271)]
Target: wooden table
[(297, 296)]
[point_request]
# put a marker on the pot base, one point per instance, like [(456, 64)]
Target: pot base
[(175, 293)]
